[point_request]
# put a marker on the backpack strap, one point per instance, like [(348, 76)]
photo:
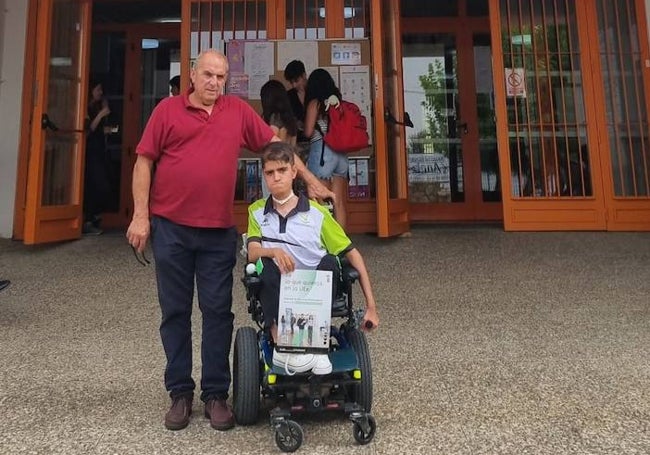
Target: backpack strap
[(322, 138)]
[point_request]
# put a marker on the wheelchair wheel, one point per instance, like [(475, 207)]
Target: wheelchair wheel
[(362, 392), (289, 439), (246, 377), (361, 436)]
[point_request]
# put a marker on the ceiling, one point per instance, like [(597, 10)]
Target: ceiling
[(135, 11)]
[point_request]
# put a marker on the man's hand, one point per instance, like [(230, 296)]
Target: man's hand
[(316, 190), (138, 233)]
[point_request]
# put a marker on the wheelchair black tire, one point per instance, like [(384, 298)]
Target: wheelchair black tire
[(361, 393), (246, 377)]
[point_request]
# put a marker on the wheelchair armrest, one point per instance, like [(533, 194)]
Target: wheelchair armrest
[(252, 283), (350, 274)]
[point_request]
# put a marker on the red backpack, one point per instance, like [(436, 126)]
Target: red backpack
[(346, 129)]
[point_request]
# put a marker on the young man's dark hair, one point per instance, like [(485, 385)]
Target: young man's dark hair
[(294, 70)]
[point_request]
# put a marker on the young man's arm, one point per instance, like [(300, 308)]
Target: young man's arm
[(356, 260)]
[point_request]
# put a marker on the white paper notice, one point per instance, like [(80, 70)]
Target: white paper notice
[(355, 87), (346, 53), (305, 51), (258, 64), (304, 314)]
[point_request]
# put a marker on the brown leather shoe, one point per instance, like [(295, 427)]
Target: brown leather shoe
[(178, 416), (220, 414)]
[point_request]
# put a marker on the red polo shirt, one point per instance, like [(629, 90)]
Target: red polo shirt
[(196, 157)]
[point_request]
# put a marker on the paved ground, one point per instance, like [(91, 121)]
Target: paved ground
[(491, 343)]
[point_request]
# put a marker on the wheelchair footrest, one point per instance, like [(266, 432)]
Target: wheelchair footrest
[(343, 360)]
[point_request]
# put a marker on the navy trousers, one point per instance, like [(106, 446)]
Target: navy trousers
[(184, 254)]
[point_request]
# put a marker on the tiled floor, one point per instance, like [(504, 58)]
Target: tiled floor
[(490, 343)]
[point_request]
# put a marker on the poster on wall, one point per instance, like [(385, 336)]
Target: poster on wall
[(237, 85), (236, 56), (355, 87), (258, 65), (359, 183), (346, 53), (250, 66), (305, 51)]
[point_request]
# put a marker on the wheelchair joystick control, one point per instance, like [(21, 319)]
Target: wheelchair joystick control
[(250, 269), (368, 324)]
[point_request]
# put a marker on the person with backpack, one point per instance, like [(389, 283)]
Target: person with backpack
[(326, 164)]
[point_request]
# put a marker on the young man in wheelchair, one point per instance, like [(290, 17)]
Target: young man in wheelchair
[(287, 232)]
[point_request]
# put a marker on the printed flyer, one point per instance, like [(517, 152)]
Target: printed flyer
[(305, 312)]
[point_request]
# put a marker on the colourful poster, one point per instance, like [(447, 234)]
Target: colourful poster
[(237, 84)]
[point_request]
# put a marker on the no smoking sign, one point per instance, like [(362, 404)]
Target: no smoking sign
[(515, 82)]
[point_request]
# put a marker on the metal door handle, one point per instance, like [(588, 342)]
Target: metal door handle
[(47, 123), (390, 118)]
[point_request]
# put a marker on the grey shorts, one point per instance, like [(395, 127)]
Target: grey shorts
[(335, 164)]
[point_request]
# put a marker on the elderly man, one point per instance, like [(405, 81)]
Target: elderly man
[(194, 140)]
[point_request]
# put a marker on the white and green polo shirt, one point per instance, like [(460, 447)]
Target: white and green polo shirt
[(308, 232)]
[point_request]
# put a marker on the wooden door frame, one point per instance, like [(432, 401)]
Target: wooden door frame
[(621, 213), (41, 224), (549, 213), (392, 213)]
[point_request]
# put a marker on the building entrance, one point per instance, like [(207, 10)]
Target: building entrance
[(135, 52), (448, 91)]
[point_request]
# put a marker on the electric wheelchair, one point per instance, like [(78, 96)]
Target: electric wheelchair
[(347, 388)]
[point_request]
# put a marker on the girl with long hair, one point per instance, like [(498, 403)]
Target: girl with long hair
[(326, 164)]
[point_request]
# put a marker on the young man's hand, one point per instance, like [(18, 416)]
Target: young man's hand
[(283, 260), (370, 319)]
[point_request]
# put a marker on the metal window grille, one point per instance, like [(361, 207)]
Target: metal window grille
[(547, 127), (627, 116), (213, 22), (356, 16), (305, 19)]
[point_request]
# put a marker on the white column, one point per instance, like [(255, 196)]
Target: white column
[(13, 26)]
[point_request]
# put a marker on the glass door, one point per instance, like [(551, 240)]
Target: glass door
[(452, 150), (53, 204), (137, 63)]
